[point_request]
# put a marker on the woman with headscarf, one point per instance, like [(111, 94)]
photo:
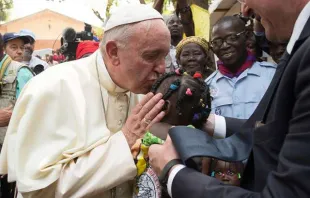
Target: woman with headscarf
[(192, 55)]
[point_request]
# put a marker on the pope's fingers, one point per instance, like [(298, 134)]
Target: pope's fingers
[(150, 105), (140, 105), (9, 107), (157, 119), (155, 110)]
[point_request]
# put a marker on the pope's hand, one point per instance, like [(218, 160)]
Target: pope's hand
[(143, 116), (5, 116), (160, 155)]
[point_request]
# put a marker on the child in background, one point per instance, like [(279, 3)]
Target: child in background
[(187, 102), (229, 173)]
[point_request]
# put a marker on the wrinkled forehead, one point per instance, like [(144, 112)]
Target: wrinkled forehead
[(151, 35)]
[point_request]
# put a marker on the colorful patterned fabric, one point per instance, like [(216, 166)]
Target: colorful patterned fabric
[(147, 183), (192, 39)]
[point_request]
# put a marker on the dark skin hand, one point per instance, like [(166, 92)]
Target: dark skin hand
[(187, 19)]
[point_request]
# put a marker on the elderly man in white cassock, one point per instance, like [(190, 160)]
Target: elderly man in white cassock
[(72, 128)]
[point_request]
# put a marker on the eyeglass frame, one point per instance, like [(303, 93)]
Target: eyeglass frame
[(224, 39)]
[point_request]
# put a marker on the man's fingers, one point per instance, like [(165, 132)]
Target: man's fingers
[(150, 105), (144, 100), (154, 148)]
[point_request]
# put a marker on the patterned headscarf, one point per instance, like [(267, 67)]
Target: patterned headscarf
[(192, 39)]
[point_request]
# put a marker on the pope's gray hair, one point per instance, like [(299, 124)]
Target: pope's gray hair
[(122, 33)]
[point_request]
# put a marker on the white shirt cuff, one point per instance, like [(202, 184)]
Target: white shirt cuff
[(219, 127), (173, 173)]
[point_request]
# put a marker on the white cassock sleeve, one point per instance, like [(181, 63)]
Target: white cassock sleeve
[(58, 145)]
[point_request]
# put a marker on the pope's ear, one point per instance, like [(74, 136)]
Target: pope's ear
[(112, 52)]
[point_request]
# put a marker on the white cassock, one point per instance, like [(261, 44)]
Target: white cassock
[(65, 139)]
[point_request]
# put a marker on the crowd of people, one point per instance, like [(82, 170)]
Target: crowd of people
[(156, 111)]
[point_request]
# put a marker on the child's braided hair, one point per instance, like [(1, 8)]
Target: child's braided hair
[(186, 91)]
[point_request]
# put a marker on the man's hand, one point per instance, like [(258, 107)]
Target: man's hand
[(143, 116), (209, 125), (160, 155), (5, 116)]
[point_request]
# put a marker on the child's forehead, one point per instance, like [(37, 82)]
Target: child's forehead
[(223, 164)]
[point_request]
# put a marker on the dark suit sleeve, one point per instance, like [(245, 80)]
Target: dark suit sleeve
[(233, 125), (190, 183), (291, 178)]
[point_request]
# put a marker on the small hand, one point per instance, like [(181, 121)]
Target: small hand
[(143, 116)]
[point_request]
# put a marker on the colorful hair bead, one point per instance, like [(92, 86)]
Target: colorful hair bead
[(178, 72), (185, 74), (173, 87), (213, 174), (239, 176), (197, 75), (196, 116), (188, 92)]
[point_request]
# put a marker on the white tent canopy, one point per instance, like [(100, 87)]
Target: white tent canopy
[(220, 8)]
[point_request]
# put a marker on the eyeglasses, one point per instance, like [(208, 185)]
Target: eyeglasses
[(230, 39)]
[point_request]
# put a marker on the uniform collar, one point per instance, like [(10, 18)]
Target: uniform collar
[(255, 70), (104, 76), (299, 26)]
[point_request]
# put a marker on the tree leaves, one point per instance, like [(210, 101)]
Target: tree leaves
[(5, 5)]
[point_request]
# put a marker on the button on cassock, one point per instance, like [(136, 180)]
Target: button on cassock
[(120, 122)]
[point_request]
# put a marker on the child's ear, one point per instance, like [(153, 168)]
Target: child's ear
[(167, 107)]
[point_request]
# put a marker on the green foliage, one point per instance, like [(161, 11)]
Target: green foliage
[(5, 5)]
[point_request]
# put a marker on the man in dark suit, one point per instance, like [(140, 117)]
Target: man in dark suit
[(279, 164)]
